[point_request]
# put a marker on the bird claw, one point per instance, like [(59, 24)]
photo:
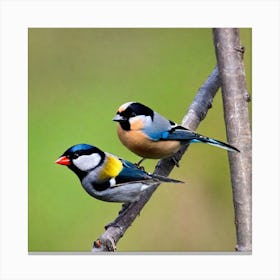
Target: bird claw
[(137, 164), (142, 168), (175, 162)]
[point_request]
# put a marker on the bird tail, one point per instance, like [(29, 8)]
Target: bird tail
[(165, 179), (214, 142), (183, 134)]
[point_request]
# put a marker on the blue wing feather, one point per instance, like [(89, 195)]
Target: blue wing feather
[(131, 172), (181, 133), (159, 126)]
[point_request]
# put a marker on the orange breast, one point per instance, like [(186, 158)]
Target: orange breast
[(136, 141)]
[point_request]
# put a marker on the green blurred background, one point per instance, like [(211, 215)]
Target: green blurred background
[(77, 80)]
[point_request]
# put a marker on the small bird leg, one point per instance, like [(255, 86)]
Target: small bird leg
[(138, 164), (175, 161)]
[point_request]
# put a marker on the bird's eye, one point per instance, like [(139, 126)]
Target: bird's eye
[(133, 114), (75, 155)]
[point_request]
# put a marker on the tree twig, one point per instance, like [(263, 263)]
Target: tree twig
[(235, 97), (196, 113)]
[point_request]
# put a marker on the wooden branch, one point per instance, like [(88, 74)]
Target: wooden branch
[(196, 113), (235, 100)]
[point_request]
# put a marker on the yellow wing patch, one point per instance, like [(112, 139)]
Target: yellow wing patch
[(112, 168)]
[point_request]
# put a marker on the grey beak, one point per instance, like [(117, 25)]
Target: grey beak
[(118, 118)]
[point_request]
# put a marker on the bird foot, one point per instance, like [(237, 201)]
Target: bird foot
[(137, 164), (142, 168), (175, 162)]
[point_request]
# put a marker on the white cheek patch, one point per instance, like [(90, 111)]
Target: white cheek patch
[(87, 162), (140, 121)]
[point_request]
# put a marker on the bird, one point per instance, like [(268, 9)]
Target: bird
[(150, 135), (108, 177)]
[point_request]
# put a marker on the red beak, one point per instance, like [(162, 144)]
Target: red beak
[(63, 160)]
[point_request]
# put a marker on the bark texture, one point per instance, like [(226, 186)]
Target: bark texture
[(229, 55)]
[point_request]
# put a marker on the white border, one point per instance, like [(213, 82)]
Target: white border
[(17, 16)]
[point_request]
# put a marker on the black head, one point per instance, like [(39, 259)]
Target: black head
[(130, 110), (82, 158)]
